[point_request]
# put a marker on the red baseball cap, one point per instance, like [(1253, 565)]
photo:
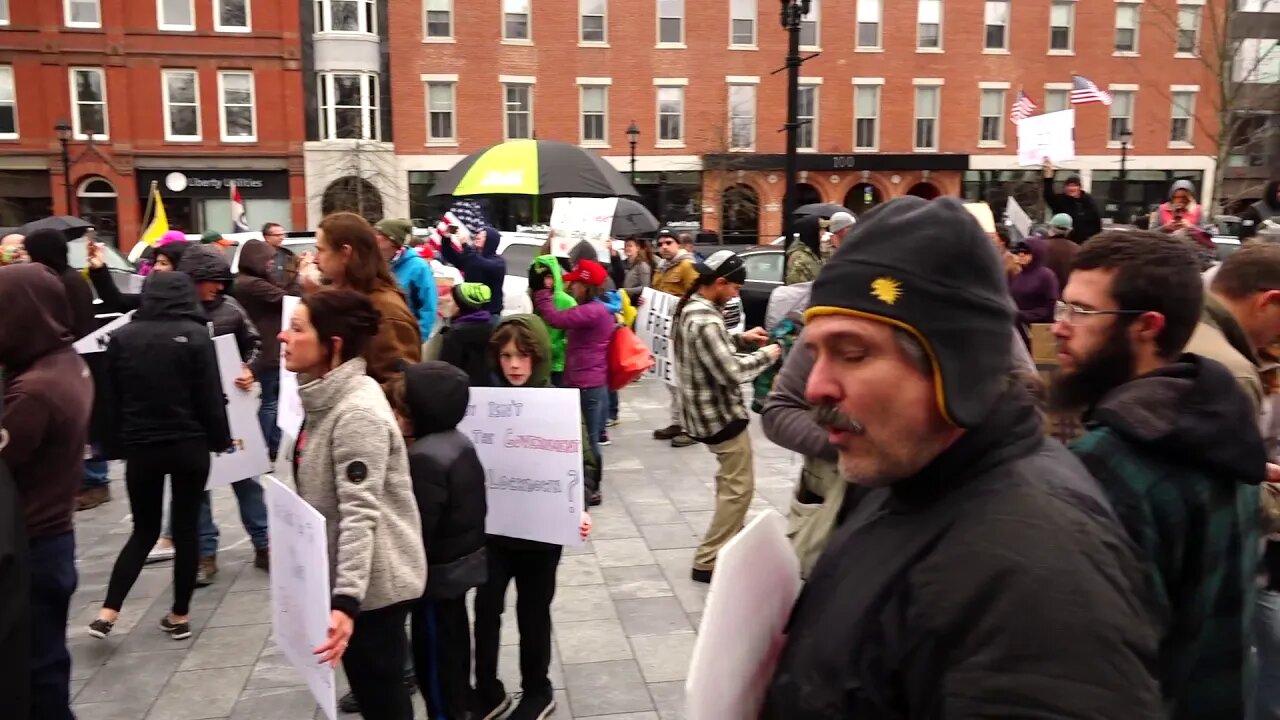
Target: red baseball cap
[(589, 272)]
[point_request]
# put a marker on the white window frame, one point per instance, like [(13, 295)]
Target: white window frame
[(814, 85), (174, 27), (451, 82), (222, 107), (684, 24), (66, 14), (677, 84), (1131, 91), (509, 82), (585, 84), (7, 71), (1198, 7), (879, 23), (754, 19), (4, 12), (370, 106), (367, 17), (878, 84), (1174, 91), (814, 19), (1008, 17), (934, 84), (1002, 112), (753, 84), (248, 18), (1137, 29), (168, 105), (1063, 90), (941, 14), (528, 23), (426, 14), (1071, 28), (604, 25), (77, 133)]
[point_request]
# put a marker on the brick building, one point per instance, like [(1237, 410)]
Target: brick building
[(189, 94), (904, 96)]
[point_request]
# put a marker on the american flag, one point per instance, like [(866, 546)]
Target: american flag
[(1023, 106), (1084, 91), (465, 215)]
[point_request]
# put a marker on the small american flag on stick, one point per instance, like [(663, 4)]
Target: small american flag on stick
[(1023, 106), (1084, 91)]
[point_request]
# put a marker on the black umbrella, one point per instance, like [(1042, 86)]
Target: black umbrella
[(533, 167), (72, 227), (822, 210), (631, 219)]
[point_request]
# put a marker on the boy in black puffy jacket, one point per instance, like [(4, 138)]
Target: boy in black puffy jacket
[(449, 483)]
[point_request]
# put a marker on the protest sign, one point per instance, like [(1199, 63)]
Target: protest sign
[(982, 213), (289, 406), (300, 590), (1050, 136), (1017, 217), (247, 457), (653, 327), (576, 219), (739, 642), (530, 443), (97, 340)]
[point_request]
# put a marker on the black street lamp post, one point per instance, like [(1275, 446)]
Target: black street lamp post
[(63, 129), (1126, 137), (792, 13), (633, 133)]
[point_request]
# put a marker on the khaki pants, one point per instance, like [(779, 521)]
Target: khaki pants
[(735, 482), (677, 413)]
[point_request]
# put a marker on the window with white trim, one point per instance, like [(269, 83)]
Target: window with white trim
[(441, 98), (1062, 25), (439, 19), (809, 35), (870, 13), (231, 15), (742, 117), (349, 106), (996, 36), (1182, 125), (518, 104), (670, 22), (671, 114), (181, 104), (591, 21), (516, 18), (595, 112), (1188, 29), (176, 14), (8, 104), (742, 23), (991, 108), (929, 25), (81, 13), (1259, 6), (1257, 60), (355, 16), (89, 100), (4, 12), (1121, 113), (1127, 27), (1056, 100), (807, 115), (236, 113), (866, 117), (926, 135)]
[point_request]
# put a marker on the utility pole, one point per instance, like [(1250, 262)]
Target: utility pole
[(792, 11)]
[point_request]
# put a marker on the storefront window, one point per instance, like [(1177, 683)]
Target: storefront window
[(671, 196), (97, 205), (426, 210), (995, 187), (1140, 194), (215, 213)]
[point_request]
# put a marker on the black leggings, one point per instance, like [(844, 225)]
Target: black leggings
[(374, 663), (187, 461)]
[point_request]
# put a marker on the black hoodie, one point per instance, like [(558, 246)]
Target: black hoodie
[(162, 372), (448, 479), (1268, 208), (49, 248)]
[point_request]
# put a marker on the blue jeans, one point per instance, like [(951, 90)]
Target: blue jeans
[(267, 410), (95, 470), (53, 580), (253, 513), (595, 410), (1266, 626), (613, 404)]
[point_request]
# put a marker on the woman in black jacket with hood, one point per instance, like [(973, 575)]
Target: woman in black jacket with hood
[(169, 413), (113, 301)]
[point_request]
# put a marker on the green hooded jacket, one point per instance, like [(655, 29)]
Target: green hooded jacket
[(563, 301)]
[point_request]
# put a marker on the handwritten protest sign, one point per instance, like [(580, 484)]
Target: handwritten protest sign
[(247, 456), (289, 408), (576, 219), (97, 340), (530, 443), (1050, 136), (739, 642), (653, 327), (300, 588)]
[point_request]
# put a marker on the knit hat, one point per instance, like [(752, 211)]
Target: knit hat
[(1072, 180), (471, 296), (927, 267), (397, 230), (589, 272), (210, 236), (1062, 221)]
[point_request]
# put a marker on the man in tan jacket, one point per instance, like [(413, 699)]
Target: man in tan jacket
[(675, 275)]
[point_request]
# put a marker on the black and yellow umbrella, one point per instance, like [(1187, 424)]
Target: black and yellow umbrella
[(534, 167)]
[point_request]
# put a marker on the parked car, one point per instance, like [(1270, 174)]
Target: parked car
[(120, 267), (765, 267)]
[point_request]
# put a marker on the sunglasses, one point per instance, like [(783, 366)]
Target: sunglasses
[(666, 242)]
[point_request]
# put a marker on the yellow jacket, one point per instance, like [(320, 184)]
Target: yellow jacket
[(678, 277)]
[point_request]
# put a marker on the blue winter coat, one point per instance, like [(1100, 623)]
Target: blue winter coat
[(415, 278), (482, 266)]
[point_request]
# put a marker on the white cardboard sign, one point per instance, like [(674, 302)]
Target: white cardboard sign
[(300, 589), (1018, 217), (97, 340), (654, 323), (530, 443), (247, 456), (1049, 136), (289, 412), (576, 219)]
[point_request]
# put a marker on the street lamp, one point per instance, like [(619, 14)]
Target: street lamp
[(633, 133), (793, 11), (63, 129), (1126, 137)]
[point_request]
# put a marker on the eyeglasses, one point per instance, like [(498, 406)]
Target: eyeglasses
[(1066, 312)]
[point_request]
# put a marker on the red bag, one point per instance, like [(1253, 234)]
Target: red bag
[(629, 358)]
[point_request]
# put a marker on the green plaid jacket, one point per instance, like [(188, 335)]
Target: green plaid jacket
[(1197, 535)]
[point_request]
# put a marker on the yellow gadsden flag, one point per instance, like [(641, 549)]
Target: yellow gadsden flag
[(156, 230)]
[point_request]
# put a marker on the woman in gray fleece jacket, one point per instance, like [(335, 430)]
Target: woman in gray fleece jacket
[(353, 468)]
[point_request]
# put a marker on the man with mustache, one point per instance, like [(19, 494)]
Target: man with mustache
[(983, 573), (1175, 444)]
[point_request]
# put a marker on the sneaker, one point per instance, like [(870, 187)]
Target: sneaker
[(262, 559), (178, 631), (594, 498), (702, 576), (667, 432), (100, 628), (490, 705), (535, 706), (92, 497), (347, 703), (206, 572), (682, 440), (611, 422), (160, 553), (604, 439)]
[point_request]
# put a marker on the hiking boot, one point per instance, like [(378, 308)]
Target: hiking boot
[(262, 559), (594, 498), (206, 572), (668, 432), (92, 497), (100, 628), (534, 706), (491, 704), (160, 552), (176, 630), (682, 440)]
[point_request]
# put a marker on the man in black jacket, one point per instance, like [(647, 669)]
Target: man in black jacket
[(1074, 201), (1264, 213), (984, 573)]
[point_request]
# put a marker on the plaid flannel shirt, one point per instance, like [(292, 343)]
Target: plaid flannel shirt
[(710, 371)]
